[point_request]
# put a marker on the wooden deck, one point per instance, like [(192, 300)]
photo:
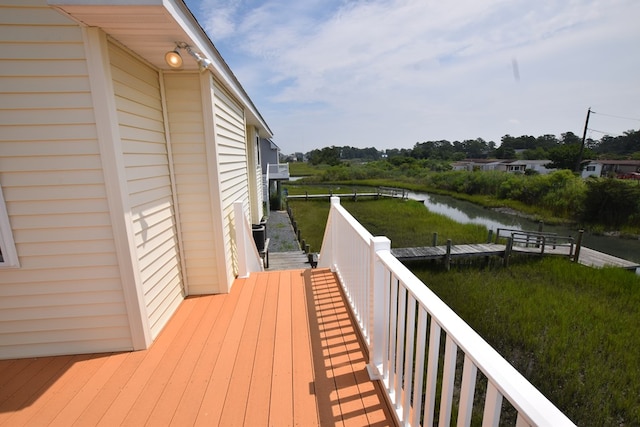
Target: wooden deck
[(280, 349), (588, 257)]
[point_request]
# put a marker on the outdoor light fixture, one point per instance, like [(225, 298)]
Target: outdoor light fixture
[(174, 60), (203, 63)]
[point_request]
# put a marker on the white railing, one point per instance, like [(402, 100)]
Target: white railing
[(280, 170), (404, 324), (248, 258)]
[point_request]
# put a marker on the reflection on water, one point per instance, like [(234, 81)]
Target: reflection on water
[(466, 212)]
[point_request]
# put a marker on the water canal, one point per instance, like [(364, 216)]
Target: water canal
[(466, 212)]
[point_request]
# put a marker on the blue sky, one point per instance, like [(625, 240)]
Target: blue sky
[(390, 73)]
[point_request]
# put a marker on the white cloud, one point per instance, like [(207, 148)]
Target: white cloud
[(390, 73)]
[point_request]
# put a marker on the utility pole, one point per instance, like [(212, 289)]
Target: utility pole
[(584, 136)]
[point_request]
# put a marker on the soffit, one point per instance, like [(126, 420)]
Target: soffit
[(149, 31), (150, 28)]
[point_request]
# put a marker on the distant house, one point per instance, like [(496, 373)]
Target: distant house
[(521, 166), (118, 172), (514, 166), (625, 169), (273, 172), (477, 164)]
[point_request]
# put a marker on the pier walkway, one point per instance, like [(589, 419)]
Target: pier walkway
[(390, 192), (586, 256)]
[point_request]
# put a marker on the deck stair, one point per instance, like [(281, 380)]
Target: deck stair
[(292, 260)]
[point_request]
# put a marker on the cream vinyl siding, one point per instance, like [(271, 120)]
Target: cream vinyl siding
[(66, 297), (141, 125), (232, 158), (184, 110)]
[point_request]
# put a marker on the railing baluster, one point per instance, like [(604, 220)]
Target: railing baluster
[(393, 330), (409, 358), (521, 422), (468, 388), (432, 372), (386, 342), (400, 339), (448, 381), (421, 342), (492, 407)]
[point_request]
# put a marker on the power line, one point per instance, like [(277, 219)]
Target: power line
[(605, 133), (614, 116)]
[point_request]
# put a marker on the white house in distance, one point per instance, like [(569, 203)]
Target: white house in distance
[(273, 171), (625, 169), (514, 166), (119, 174)]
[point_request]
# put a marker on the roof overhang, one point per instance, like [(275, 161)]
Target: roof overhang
[(150, 28)]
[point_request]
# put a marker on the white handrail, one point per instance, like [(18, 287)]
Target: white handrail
[(403, 321), (247, 254)]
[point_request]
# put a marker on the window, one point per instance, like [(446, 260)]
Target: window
[(8, 255), (591, 168)]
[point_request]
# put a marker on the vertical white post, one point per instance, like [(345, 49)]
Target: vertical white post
[(377, 322), (241, 240), (335, 201)]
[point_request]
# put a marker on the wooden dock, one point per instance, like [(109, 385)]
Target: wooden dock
[(586, 256), (389, 192)]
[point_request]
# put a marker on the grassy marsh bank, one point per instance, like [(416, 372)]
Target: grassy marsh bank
[(570, 329), (406, 223)]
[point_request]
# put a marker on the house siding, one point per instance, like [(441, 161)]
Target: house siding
[(184, 109), (230, 134), (66, 297), (141, 125)]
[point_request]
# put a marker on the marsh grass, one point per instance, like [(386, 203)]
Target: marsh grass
[(407, 223), (570, 329)]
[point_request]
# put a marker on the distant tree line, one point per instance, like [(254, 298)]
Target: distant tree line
[(563, 152)]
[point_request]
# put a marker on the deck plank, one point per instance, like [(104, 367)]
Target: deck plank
[(257, 411), (191, 402), (76, 406), (235, 401), (213, 399), (65, 388), (280, 349), (144, 374), (167, 403), (156, 383), (305, 409), (281, 406)]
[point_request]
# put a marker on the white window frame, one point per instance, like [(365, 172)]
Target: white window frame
[(7, 245)]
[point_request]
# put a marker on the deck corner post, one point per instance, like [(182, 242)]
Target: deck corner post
[(334, 232), (376, 306), (241, 239), (447, 257)]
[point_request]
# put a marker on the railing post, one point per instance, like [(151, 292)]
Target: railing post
[(241, 240), (578, 246), (335, 201), (377, 322)]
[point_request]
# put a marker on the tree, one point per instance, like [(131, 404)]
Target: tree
[(328, 156), (566, 156)]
